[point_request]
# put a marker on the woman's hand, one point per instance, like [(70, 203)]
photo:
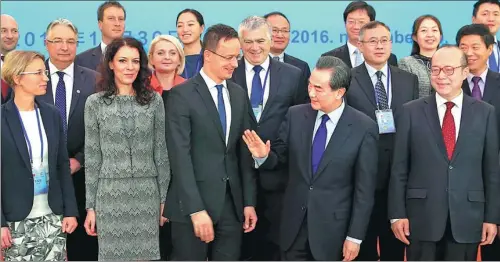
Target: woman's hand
[(90, 223)]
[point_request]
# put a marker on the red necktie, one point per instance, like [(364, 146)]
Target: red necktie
[(448, 129)]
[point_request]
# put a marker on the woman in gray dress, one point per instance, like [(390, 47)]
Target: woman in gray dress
[(126, 159)]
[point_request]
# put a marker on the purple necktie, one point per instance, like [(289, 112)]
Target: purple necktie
[(319, 143), (476, 91), (61, 99)]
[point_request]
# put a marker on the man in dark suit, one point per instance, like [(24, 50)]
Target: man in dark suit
[(212, 195), (68, 88), (486, 12), (9, 36), (356, 14), (281, 38), (379, 89), (444, 188), (330, 149), (272, 88), (483, 84), (111, 21)]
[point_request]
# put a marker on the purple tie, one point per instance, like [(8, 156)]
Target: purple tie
[(319, 143), (476, 91)]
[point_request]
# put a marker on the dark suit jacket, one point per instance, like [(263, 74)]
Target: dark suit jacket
[(361, 95), (201, 162), (426, 187), (491, 92), (17, 177), (90, 58), (342, 52), (338, 200), (84, 84), (302, 65)]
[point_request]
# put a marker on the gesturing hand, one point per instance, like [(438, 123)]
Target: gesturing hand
[(255, 145)]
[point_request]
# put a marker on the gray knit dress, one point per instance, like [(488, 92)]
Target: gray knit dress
[(127, 174)]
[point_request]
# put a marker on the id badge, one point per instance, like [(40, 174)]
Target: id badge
[(385, 121), (257, 112), (41, 181)]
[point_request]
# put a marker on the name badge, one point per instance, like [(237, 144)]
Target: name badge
[(257, 111), (41, 181), (385, 121)]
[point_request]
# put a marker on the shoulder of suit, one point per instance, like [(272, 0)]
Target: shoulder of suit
[(358, 117), (87, 71), (88, 51), (334, 51), (417, 103), (290, 67)]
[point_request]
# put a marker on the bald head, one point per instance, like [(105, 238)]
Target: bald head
[(449, 69), (9, 34)]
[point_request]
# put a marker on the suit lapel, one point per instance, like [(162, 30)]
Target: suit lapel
[(339, 136), (15, 127), (209, 104), (235, 122), (346, 55), (466, 88), (365, 83), (432, 116), (50, 129), (274, 84), (466, 120), (49, 95), (239, 77), (491, 87), (307, 137), (78, 84), (395, 92), (97, 55)]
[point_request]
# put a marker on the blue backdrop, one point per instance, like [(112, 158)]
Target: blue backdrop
[(317, 26)]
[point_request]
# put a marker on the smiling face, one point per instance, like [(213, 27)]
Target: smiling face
[(376, 46), (165, 57), (428, 35), (113, 24), (256, 45), (125, 65), (9, 34), (222, 61), (61, 45), (355, 20), (448, 73), (488, 14), (281, 33), (477, 53), (188, 28)]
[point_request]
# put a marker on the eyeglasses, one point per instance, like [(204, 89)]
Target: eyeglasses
[(277, 31), (227, 58), (354, 22), (448, 70), (60, 41), (374, 42), (39, 72)]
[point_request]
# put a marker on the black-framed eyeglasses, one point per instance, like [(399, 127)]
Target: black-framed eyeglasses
[(448, 70), (39, 72), (227, 58)]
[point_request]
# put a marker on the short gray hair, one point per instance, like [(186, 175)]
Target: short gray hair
[(252, 23), (341, 74), (61, 21)]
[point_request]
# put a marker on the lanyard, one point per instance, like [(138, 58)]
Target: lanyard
[(26, 135), (197, 68), (386, 87), (261, 102)]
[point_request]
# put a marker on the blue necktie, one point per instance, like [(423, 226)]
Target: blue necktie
[(319, 144), (257, 92), (222, 109), (492, 61), (61, 99)]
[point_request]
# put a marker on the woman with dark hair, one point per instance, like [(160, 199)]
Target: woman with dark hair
[(427, 35), (127, 168), (190, 26)]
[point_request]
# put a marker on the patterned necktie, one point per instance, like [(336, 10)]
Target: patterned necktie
[(492, 61), (358, 60), (61, 99), (257, 93), (448, 129), (382, 100), (319, 144), (476, 91), (222, 109)]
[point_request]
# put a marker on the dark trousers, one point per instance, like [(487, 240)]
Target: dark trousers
[(447, 249), (225, 246), (300, 249), (491, 252), (165, 242), (79, 245), (379, 228)]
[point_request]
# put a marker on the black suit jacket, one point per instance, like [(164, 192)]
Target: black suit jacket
[(426, 187), (17, 177), (84, 84), (202, 165), (90, 58), (491, 92), (304, 67), (342, 52), (361, 95), (338, 200)]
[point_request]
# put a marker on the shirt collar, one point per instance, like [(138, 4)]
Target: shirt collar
[(482, 76), (372, 71), (458, 101), (334, 115), (67, 71), (281, 56), (351, 48), (249, 67), (103, 47), (210, 83)]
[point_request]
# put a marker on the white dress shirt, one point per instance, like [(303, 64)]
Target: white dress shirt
[(225, 95), (249, 73), (68, 83), (352, 55), (103, 47), (373, 76), (481, 83)]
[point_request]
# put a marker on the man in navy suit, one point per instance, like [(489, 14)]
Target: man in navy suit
[(487, 12), (272, 88), (281, 38), (330, 149), (68, 88), (111, 20)]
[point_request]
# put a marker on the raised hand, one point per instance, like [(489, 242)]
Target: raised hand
[(255, 145)]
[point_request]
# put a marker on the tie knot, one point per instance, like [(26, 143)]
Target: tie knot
[(356, 51), (219, 87), (324, 119), (276, 58), (379, 74), (476, 79), (449, 105), (60, 74), (257, 69)]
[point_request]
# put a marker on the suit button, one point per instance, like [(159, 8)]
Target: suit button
[(303, 208), (310, 188), (450, 167)]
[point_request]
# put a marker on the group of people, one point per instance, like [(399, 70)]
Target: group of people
[(225, 147)]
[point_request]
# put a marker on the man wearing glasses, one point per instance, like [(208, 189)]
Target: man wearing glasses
[(379, 90), (272, 88), (356, 14), (68, 88), (444, 187)]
